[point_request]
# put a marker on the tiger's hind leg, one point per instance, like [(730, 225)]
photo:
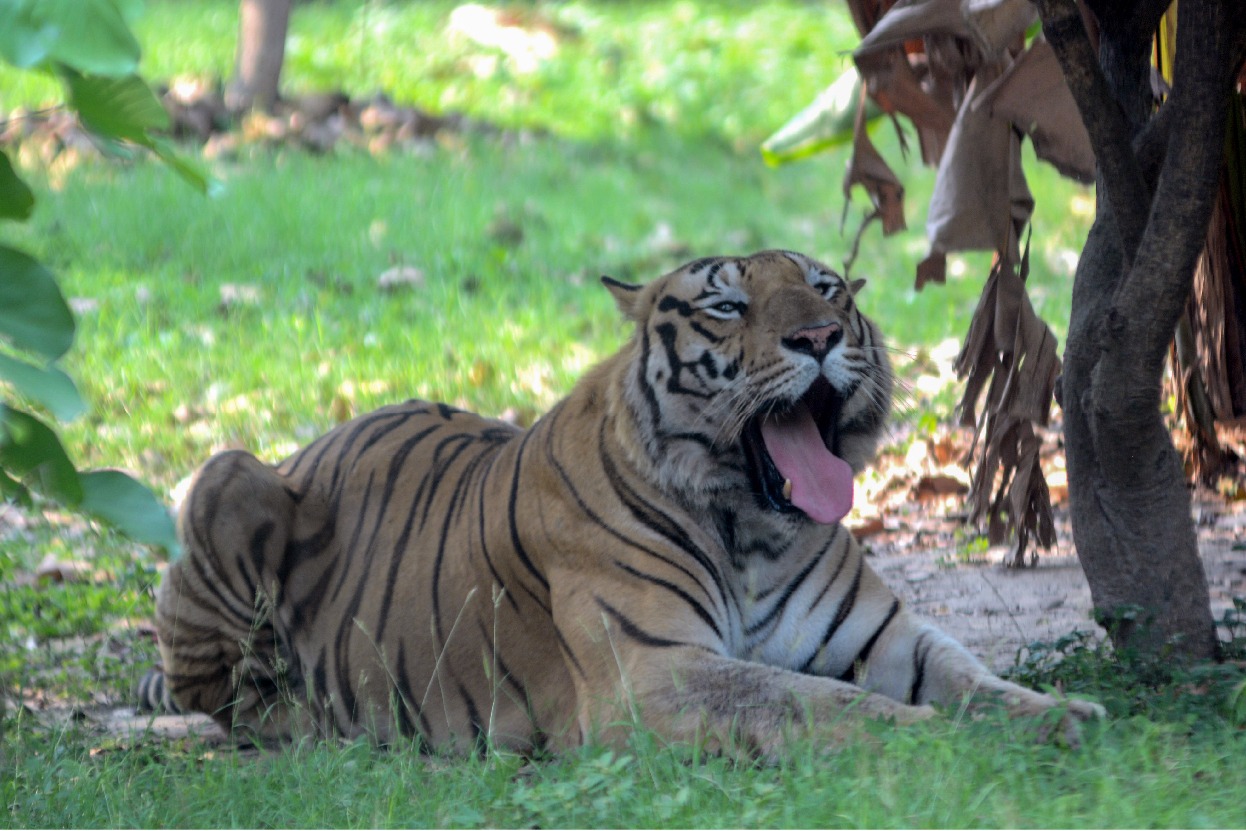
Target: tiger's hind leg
[(216, 607)]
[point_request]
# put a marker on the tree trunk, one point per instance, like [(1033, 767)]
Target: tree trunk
[(1130, 505), (261, 52), (1127, 489)]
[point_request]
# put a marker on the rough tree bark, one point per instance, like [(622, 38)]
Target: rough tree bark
[(261, 52), (1157, 178)]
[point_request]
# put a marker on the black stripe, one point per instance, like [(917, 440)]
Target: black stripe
[(251, 568), (920, 655), (437, 474), (439, 469), (319, 693), (703, 439), (841, 614), (653, 517), (650, 394), (843, 560), (473, 719), (583, 505), (299, 551), (632, 630), (707, 334), (668, 333), (182, 679), (850, 674), (319, 448), (681, 307), (444, 540), (788, 591), (481, 513), (678, 592), (567, 651), (512, 514), (226, 606), (348, 551), (341, 666), (368, 556)]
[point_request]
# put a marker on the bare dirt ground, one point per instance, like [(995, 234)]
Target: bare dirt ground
[(996, 611)]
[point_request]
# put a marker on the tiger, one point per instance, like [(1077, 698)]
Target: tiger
[(665, 549)]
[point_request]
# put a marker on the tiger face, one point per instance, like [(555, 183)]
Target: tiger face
[(757, 374)]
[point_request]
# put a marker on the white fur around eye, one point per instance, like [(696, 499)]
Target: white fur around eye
[(827, 288), (725, 309)]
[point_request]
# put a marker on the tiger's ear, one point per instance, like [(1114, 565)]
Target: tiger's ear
[(856, 285), (626, 296)]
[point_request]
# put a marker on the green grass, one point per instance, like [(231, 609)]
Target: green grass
[(1132, 772), (651, 114), (731, 70)]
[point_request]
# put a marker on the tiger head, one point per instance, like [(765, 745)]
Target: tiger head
[(756, 374)]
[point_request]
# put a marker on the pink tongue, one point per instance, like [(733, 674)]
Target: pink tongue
[(821, 481)]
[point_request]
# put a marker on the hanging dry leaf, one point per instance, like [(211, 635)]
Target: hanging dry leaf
[(866, 13), (867, 169), (896, 87), (980, 200), (997, 24), (1219, 286), (913, 19), (1033, 95), (1009, 346)]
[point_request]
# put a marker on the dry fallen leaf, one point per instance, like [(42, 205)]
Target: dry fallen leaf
[(936, 485), (234, 295), (400, 277), (52, 570), (867, 527)]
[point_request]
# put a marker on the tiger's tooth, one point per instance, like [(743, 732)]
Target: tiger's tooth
[(787, 489)]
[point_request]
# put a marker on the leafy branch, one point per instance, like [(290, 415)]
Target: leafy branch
[(88, 46)]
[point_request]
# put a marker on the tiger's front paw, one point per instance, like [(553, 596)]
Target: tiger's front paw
[(1060, 718)]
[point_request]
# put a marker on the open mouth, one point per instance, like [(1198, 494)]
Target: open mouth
[(791, 458)]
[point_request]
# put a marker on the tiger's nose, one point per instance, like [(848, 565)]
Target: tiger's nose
[(816, 341)]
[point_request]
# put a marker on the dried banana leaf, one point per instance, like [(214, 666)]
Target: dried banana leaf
[(1010, 347), (981, 200), (1033, 95), (868, 169)]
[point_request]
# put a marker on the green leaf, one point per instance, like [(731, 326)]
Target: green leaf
[(91, 36), (47, 386), (33, 313), (825, 123), (16, 200), (129, 506), (30, 451), (25, 41), (12, 490), (122, 108), (191, 173)]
